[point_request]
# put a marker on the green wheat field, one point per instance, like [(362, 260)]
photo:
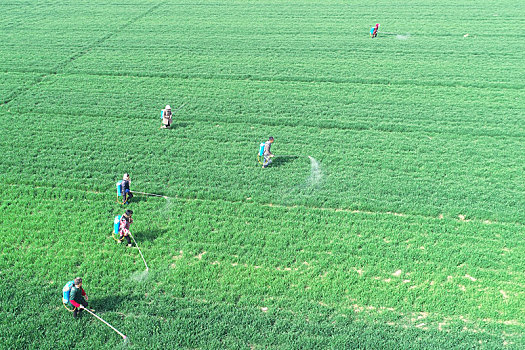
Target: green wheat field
[(392, 216)]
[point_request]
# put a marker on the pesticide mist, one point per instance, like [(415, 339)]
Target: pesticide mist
[(140, 276), (300, 193), (166, 209), (125, 344), (315, 172)]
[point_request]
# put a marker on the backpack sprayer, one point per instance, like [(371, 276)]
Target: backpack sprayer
[(66, 291), (260, 156), (119, 192)]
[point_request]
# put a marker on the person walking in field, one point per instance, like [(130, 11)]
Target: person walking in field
[(267, 154), (125, 222), (78, 297), (373, 31), (126, 192), (166, 117)]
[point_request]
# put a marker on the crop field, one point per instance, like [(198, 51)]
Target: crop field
[(392, 216)]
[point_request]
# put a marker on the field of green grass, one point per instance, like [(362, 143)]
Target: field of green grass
[(393, 218)]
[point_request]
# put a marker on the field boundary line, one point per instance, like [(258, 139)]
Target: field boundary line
[(86, 49), (460, 218)]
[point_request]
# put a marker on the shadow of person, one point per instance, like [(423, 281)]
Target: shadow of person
[(107, 303), (136, 198), (150, 235), (281, 160), (179, 125), (176, 125)]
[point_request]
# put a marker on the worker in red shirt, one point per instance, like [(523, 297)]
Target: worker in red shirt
[(373, 31), (78, 297)]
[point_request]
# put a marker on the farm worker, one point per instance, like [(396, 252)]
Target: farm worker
[(78, 297), (267, 154), (166, 117), (373, 31), (123, 230), (126, 193)]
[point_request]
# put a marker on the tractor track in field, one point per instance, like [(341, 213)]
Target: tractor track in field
[(460, 218), (61, 66)]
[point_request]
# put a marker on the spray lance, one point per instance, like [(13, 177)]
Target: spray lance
[(136, 245), (110, 326), (180, 107), (149, 194)]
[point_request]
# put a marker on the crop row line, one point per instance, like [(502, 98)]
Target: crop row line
[(32, 7), (282, 46), (323, 125), (61, 66), (285, 79), (20, 90), (335, 125), (351, 127), (288, 207)]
